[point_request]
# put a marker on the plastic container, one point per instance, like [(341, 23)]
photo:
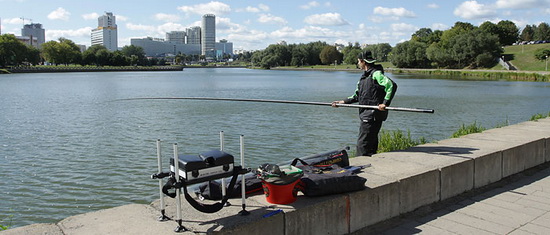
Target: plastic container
[(279, 183)]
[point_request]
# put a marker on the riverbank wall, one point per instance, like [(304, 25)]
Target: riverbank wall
[(63, 69), (398, 183)]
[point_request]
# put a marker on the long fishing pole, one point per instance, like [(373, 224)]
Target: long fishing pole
[(418, 110)]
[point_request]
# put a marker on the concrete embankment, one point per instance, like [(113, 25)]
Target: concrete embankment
[(397, 183)]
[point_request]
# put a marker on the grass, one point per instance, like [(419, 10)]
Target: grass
[(523, 57), (539, 116), (469, 129), (5, 227), (397, 140)]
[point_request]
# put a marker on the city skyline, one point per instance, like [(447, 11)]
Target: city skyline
[(253, 25)]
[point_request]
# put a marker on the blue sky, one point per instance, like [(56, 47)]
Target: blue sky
[(255, 24)]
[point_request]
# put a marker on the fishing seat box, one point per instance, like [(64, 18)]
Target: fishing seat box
[(206, 166)]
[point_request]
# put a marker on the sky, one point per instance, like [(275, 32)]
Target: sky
[(255, 24)]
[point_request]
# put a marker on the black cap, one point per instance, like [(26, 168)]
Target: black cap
[(366, 56)]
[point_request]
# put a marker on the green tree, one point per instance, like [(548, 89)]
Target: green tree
[(542, 32), (329, 55), (380, 51), (69, 51), (299, 55), (489, 27), (12, 51), (473, 48), (132, 50), (528, 33), (103, 57), (410, 54), (508, 32), (542, 54), (50, 52), (63, 52), (426, 35), (350, 53)]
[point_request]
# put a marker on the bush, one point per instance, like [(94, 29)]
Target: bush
[(396, 140), (539, 116), (465, 130)]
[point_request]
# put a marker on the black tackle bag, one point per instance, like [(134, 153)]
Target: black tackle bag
[(332, 179), (212, 190)]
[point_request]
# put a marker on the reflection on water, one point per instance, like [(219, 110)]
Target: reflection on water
[(66, 147)]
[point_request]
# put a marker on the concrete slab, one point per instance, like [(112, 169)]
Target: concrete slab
[(228, 219), (522, 157), (419, 190), (128, 219), (457, 172), (373, 205), (310, 216), (34, 229)]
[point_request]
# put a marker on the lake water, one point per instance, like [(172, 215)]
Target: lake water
[(67, 147)]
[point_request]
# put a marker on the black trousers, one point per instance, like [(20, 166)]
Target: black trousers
[(367, 143)]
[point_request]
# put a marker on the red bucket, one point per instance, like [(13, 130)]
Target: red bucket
[(280, 194)]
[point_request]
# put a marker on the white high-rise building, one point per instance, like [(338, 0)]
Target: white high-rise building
[(193, 35), (34, 32), (106, 32), (176, 37), (208, 36)]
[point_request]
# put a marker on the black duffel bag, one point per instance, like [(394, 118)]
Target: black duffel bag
[(326, 180)]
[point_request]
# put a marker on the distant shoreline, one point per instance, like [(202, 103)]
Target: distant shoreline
[(510, 75), (61, 69)]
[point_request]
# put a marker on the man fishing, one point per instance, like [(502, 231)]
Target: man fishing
[(373, 88)]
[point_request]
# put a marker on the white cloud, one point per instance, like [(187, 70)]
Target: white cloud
[(433, 6), (251, 9), (327, 19), (18, 21), (90, 16), (224, 25), (59, 14), (399, 12), (521, 4), (56, 34), (140, 27), (474, 10), (310, 5), (166, 17), (121, 18), (168, 27), (400, 27), (439, 26), (216, 8), (252, 36), (380, 19), (268, 18)]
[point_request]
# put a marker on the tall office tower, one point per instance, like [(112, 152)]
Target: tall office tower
[(208, 36), (176, 37), (193, 35), (106, 32), (34, 31)]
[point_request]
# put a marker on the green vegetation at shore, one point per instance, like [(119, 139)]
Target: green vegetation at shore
[(481, 74), (397, 140), (539, 116), (469, 129)]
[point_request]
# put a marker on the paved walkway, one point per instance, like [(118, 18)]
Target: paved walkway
[(520, 207)]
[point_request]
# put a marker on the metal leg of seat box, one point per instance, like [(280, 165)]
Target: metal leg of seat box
[(162, 216), (180, 227), (243, 190), (223, 179)]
